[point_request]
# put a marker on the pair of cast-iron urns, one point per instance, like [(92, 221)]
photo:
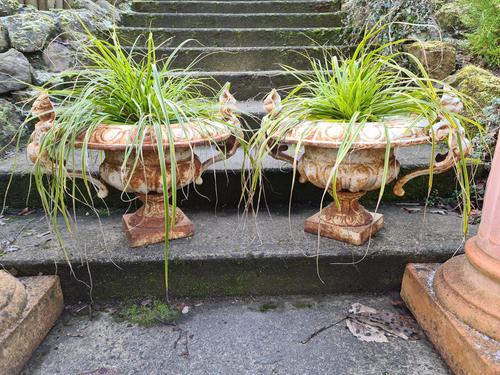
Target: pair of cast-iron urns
[(361, 171)]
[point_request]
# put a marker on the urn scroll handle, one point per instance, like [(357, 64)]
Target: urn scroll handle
[(227, 103), (272, 105), (458, 145), (44, 110)]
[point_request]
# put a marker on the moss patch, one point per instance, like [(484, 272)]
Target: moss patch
[(480, 84), (147, 314), (268, 306)]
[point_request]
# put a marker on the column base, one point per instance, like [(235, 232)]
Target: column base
[(355, 235), (464, 349)]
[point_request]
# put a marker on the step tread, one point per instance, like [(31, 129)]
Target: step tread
[(232, 336), (224, 235)]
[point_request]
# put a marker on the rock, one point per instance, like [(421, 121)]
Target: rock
[(72, 23), (4, 38), (41, 77), (112, 12), (58, 57), (450, 16), (15, 71), (29, 32), (10, 121), (477, 83), (8, 7), (438, 57)]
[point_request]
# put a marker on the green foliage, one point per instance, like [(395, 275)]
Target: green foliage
[(156, 312), (483, 18), (118, 87), (368, 86)]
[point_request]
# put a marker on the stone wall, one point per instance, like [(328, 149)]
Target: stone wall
[(36, 45)]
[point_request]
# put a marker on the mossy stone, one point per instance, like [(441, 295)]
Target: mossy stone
[(8, 7), (480, 84), (438, 57), (29, 32), (450, 16)]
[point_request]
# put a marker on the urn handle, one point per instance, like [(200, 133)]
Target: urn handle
[(44, 110), (227, 103), (458, 145)]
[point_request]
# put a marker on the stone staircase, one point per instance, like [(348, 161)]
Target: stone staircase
[(243, 42)]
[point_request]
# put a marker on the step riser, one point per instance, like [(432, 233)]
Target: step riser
[(227, 21), (224, 190), (234, 7), (237, 38), (245, 60), (278, 276)]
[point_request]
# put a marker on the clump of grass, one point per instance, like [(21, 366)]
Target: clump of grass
[(370, 85), (119, 86), (154, 313)]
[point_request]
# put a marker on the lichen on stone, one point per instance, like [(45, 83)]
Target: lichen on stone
[(480, 84), (29, 32)]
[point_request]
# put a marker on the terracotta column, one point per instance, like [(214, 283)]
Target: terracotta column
[(458, 303)]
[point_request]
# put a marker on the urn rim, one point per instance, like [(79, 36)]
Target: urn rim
[(329, 133), (119, 137)]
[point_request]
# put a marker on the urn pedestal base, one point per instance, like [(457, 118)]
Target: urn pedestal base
[(147, 225), (350, 223), (464, 349)]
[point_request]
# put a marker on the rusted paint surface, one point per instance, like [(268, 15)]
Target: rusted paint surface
[(147, 224)]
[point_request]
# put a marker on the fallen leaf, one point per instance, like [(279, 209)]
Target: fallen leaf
[(387, 323), (365, 332), (357, 308)]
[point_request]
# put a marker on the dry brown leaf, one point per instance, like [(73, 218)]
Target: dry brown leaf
[(365, 332)]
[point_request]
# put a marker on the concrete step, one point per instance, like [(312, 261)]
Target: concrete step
[(222, 20), (232, 336), (235, 37), (235, 7), (238, 59), (229, 255)]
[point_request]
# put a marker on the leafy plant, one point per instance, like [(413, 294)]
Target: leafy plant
[(148, 315), (117, 87), (483, 18), (370, 85)]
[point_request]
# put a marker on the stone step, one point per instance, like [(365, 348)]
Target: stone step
[(230, 336), (235, 7), (237, 59), (229, 255), (222, 184), (235, 37), (222, 20)]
